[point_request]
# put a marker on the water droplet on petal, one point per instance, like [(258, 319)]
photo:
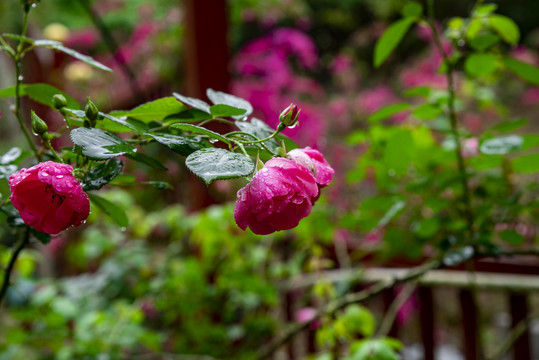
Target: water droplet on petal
[(59, 176)]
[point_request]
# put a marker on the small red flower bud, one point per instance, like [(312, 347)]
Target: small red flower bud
[(290, 115)]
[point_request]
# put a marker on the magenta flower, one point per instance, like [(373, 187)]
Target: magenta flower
[(277, 198), (314, 161), (48, 197)]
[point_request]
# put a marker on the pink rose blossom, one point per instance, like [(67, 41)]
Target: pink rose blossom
[(277, 198), (48, 197), (315, 162)]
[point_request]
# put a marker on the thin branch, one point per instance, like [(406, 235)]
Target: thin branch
[(344, 301), (514, 335), (11, 264), (393, 310), (466, 193)]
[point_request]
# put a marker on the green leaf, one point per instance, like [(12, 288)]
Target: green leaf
[(485, 9), (10, 156), (357, 320), (390, 39), (115, 212), (42, 93), (506, 28), (387, 111), (480, 64), (219, 97), (526, 164), (426, 228), (511, 237), (7, 170), (102, 174), (140, 128), (373, 349), (161, 185), (510, 125), (259, 129), (156, 110), (193, 102), (214, 163), (501, 145), (474, 27), (527, 72), (183, 145), (427, 111), (484, 41), (201, 130), (422, 91), (222, 110), (413, 10), (99, 144), (41, 237), (145, 159), (50, 44), (530, 141)]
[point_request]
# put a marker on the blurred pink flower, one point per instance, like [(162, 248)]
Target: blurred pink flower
[(307, 314), (48, 197), (373, 100), (470, 147), (530, 96), (82, 39)]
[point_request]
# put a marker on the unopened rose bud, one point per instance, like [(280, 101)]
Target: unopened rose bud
[(39, 126), (91, 111), (59, 101), (290, 115)]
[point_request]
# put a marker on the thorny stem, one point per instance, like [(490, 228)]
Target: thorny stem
[(342, 302), (466, 197), (11, 265), (18, 80)]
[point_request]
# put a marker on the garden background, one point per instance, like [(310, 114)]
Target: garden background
[(423, 246)]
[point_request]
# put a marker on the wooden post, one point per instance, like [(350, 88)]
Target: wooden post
[(426, 315), (519, 311), (470, 326), (206, 66), (206, 52)]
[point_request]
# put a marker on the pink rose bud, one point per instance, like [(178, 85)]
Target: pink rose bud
[(290, 115), (48, 197), (277, 198), (315, 162)]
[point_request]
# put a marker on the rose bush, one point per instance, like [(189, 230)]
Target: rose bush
[(48, 197), (282, 192)]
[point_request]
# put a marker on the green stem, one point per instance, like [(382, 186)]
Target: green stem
[(466, 193), (251, 135), (49, 145), (12, 262), (18, 80)]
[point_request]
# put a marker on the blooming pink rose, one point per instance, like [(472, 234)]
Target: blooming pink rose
[(314, 161), (48, 197), (277, 198)]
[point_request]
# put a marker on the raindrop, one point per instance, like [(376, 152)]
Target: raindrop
[(34, 5), (59, 176), (293, 126), (123, 228), (213, 141), (20, 78), (43, 173)]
